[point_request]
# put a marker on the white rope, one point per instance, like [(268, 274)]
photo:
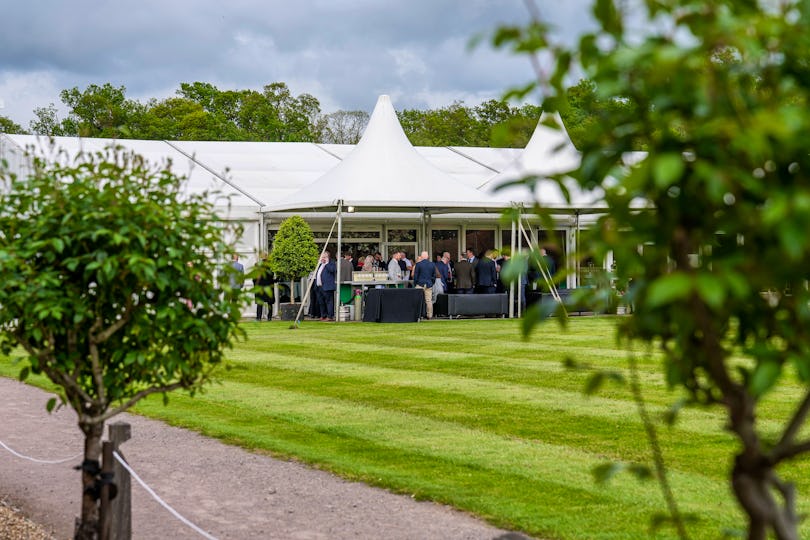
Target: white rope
[(543, 269), (35, 460), (159, 500)]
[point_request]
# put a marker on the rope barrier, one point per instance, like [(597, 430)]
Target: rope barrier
[(43, 461), (124, 464), (164, 504)]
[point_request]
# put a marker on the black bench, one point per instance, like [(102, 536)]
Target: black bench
[(465, 305)]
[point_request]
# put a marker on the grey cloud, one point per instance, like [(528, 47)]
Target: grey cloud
[(343, 52)]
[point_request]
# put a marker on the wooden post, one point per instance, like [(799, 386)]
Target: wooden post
[(121, 506), (104, 504)]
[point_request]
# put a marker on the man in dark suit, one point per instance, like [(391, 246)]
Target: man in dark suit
[(487, 274), (471, 257), (326, 284)]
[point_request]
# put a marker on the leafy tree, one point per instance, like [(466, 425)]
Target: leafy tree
[(46, 122), (176, 119), (718, 92), (454, 125), (112, 281), (490, 123), (101, 111), (581, 115), (271, 115), (294, 252), (344, 127), (7, 125), (509, 131)]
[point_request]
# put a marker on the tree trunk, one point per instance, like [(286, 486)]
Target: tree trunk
[(87, 526), (756, 485)]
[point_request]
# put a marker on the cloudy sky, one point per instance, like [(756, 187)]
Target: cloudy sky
[(344, 52)]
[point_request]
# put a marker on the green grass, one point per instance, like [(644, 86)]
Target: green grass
[(469, 414)]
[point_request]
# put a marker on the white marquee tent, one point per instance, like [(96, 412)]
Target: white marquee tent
[(383, 176)]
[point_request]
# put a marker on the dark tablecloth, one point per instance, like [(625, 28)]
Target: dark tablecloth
[(454, 305), (394, 305)]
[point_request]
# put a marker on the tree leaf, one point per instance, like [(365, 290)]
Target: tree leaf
[(764, 377), (667, 169), (668, 289), (711, 290)]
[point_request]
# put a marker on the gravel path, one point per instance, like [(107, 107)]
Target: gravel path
[(229, 492)]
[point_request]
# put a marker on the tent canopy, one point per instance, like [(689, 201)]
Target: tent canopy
[(384, 172), (548, 152)]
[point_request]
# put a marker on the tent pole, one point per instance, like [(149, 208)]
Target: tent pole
[(423, 234), (338, 256), (262, 235), (523, 287), (512, 285), (576, 251)]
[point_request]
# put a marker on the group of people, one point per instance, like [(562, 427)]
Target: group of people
[(471, 274)]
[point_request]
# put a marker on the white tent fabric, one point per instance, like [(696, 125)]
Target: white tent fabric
[(223, 194), (269, 171), (385, 171), (548, 152)]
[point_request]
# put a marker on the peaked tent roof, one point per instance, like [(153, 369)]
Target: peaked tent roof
[(384, 172), (548, 152)]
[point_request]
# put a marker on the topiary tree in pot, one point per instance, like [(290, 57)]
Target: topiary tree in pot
[(294, 252)]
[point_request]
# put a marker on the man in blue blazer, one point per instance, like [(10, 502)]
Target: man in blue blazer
[(326, 282), (423, 276), (487, 274)]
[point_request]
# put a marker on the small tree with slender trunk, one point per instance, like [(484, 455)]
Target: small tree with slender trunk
[(115, 284), (294, 252)]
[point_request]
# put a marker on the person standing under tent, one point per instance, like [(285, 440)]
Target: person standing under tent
[(326, 282), (471, 258), (394, 270), (379, 263), (487, 274), (451, 274), (500, 263), (237, 278), (263, 297), (424, 273), (346, 267), (443, 266), (465, 277), (405, 265)]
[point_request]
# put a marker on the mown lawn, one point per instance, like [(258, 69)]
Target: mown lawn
[(470, 414)]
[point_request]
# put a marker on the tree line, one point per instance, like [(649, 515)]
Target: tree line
[(201, 111)]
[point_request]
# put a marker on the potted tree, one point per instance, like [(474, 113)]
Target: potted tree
[(294, 255)]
